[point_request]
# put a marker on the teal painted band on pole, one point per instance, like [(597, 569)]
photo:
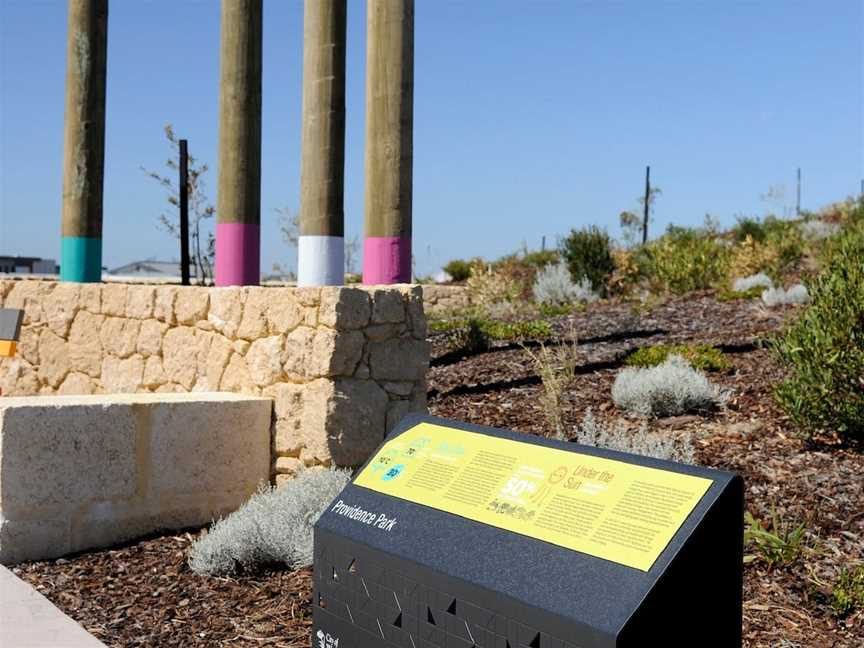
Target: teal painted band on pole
[(81, 259)]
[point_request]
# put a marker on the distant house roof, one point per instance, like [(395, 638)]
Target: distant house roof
[(151, 268)]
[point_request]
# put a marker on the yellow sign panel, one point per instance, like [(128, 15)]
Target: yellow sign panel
[(605, 508), (7, 348)]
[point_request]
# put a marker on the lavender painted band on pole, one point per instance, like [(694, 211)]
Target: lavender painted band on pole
[(387, 259), (238, 253)]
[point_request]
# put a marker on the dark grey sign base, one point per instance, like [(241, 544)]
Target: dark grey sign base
[(437, 580)]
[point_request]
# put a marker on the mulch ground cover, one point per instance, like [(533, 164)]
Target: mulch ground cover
[(144, 594)]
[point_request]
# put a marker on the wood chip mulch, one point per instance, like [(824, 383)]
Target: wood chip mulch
[(144, 594)]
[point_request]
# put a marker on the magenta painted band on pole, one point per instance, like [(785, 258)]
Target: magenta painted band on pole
[(387, 259), (238, 254)]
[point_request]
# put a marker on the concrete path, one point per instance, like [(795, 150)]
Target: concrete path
[(29, 620)]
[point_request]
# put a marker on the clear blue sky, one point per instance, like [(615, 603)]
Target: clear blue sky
[(530, 117)]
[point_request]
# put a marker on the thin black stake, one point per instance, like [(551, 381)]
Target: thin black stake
[(184, 213), (798, 196), (647, 204)]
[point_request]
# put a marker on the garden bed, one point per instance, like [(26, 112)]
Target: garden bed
[(145, 595)]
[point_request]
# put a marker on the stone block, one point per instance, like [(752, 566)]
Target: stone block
[(150, 337), (114, 299), (388, 306), (53, 358), (85, 343), (119, 336), (226, 310), (284, 313), (224, 440), (179, 356), (60, 307), (76, 383), (253, 324), (163, 305), (190, 304), (91, 471), (22, 540), (399, 359), (335, 353), (140, 301), (59, 452), (344, 308), (264, 360), (236, 377), (122, 375)]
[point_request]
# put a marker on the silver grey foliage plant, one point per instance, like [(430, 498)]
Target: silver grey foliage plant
[(743, 284), (777, 296), (641, 441), (669, 389), (554, 285), (274, 527)]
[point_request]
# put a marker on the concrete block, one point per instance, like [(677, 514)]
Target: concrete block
[(78, 472)]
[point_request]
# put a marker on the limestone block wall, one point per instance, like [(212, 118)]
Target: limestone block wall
[(342, 365), (89, 471), (443, 299)]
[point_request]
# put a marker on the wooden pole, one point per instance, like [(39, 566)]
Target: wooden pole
[(184, 213), (238, 205), (321, 246), (389, 141), (84, 141)]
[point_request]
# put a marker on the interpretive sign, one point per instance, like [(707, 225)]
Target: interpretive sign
[(457, 535), (10, 330)]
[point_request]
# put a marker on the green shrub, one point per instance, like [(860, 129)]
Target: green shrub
[(779, 542), (541, 258), (824, 348), (471, 338), (701, 356), (751, 293), (556, 310), (458, 269), (749, 226), (473, 335), (684, 259), (588, 253), (509, 331), (847, 595)]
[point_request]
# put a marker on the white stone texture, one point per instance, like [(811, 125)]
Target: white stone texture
[(86, 471)]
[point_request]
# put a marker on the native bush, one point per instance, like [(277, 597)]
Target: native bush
[(641, 442), (629, 269), (274, 527), (556, 367), (554, 285), (684, 259), (588, 254), (824, 347), (797, 294), (502, 283), (700, 356), (458, 269), (780, 541), (669, 389), (818, 230), (847, 594), (541, 258)]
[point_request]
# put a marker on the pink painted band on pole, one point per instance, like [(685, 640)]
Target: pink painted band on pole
[(238, 254), (387, 259)]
